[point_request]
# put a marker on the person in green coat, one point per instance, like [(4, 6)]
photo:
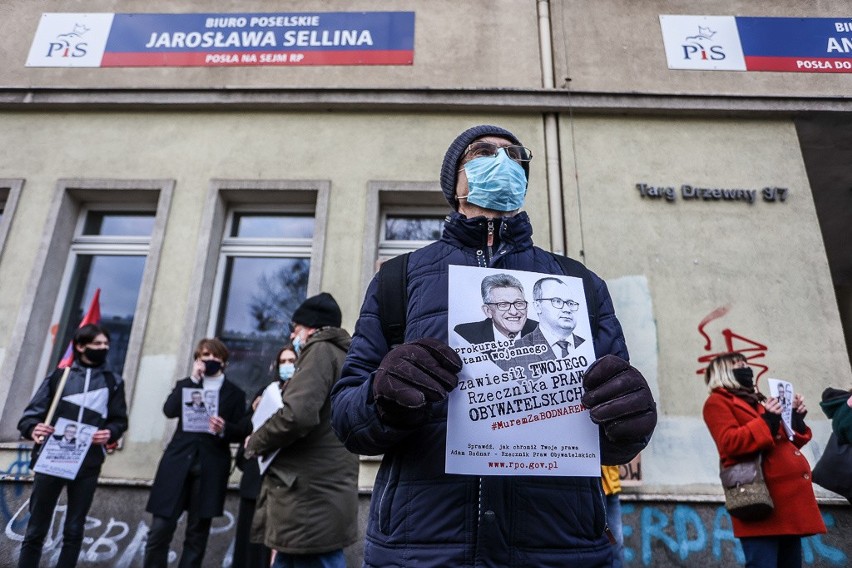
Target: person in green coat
[(308, 505), (837, 405)]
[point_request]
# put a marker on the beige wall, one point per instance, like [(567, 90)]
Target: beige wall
[(764, 263), (669, 265), (456, 45), (606, 46), (613, 46), (348, 150)]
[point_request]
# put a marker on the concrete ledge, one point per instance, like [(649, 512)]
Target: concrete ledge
[(497, 100)]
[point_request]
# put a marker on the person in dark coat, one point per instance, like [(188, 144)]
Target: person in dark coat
[(104, 407), (193, 472), (249, 554), (394, 401), (504, 305), (308, 506), (743, 422)]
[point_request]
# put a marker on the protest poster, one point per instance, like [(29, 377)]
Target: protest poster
[(195, 415), (211, 401), (65, 450), (270, 403), (783, 391), (525, 342)]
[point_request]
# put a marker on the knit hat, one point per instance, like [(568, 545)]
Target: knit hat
[(831, 393), (318, 311), (450, 167)]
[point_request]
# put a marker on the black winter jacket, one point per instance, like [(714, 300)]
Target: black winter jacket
[(103, 404), (421, 516)]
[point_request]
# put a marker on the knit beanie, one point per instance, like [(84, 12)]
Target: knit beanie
[(450, 167), (318, 311), (831, 393)]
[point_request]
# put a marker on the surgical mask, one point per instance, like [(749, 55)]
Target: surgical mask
[(744, 376), (212, 367), (286, 370), (96, 356), (297, 344), (497, 183)]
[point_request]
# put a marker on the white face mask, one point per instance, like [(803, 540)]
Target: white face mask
[(286, 370), (497, 183)]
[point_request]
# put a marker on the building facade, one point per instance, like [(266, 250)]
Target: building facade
[(209, 197)]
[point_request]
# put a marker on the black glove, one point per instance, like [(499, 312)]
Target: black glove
[(772, 420), (799, 422), (412, 377), (619, 400)]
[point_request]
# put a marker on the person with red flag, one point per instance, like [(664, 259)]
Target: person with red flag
[(89, 395), (92, 316)]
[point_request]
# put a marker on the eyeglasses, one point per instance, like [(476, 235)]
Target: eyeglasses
[(504, 306), (489, 150), (559, 302)]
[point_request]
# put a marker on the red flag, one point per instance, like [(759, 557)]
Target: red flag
[(92, 316)]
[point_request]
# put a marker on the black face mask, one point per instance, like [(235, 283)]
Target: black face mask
[(212, 367), (96, 356), (744, 376)]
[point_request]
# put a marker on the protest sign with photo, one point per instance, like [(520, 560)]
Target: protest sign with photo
[(65, 450), (525, 342), (195, 413), (783, 391)]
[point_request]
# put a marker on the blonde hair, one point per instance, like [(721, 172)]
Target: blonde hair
[(719, 373)]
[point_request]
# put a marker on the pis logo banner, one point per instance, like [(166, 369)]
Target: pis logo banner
[(70, 40), (708, 43)]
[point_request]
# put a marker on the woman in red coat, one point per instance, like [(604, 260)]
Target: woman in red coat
[(744, 422)]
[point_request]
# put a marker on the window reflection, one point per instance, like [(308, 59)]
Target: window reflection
[(410, 228), (272, 226), (119, 224), (259, 296), (119, 278)]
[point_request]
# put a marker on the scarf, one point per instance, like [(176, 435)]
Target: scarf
[(750, 396)]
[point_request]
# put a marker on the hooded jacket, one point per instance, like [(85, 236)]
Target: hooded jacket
[(834, 405), (420, 516), (308, 502), (101, 398)]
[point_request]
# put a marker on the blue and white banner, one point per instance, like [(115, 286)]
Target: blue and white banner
[(735, 43), (201, 40)]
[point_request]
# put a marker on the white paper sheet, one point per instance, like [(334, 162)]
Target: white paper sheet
[(270, 403)]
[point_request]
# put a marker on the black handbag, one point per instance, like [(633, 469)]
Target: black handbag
[(746, 494), (833, 471)]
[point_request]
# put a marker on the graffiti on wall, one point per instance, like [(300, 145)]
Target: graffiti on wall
[(630, 474), (114, 542), (730, 341), (654, 537), (681, 534)]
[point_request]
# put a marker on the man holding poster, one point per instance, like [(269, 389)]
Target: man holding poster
[(415, 403), (91, 405), (193, 472)]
